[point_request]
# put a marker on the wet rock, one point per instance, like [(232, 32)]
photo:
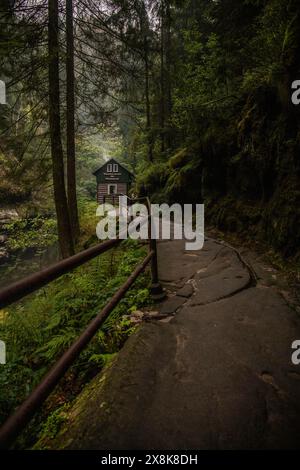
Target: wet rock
[(170, 306), (217, 375), (7, 216), (152, 314), (178, 264), (155, 315), (3, 255), (186, 291), (225, 276), (3, 239), (137, 316)]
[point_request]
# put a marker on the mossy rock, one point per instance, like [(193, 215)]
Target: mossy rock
[(97, 414), (276, 222), (181, 158), (281, 221)]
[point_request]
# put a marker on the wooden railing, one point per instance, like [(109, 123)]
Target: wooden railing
[(23, 414)]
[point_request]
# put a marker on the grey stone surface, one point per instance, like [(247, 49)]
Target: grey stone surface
[(185, 291), (225, 276), (175, 264), (171, 305), (217, 376)]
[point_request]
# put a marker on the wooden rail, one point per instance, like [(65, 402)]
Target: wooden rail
[(23, 414)]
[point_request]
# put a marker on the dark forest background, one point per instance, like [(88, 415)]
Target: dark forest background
[(194, 96)]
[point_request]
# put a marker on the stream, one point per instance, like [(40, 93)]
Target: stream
[(25, 262)]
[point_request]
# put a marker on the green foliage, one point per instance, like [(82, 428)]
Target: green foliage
[(237, 133), (175, 180), (38, 232), (51, 427), (39, 329), (88, 221), (152, 180)]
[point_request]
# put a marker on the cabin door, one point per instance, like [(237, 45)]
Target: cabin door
[(112, 189)]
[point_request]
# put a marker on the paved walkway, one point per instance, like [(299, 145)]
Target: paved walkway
[(213, 370)]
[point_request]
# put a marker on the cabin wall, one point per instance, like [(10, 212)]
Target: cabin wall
[(102, 190), (122, 188)]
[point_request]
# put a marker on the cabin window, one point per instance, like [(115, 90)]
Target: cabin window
[(109, 168), (115, 168)]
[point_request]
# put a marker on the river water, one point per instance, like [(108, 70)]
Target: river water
[(25, 262)]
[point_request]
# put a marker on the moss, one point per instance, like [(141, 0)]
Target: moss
[(276, 222), (180, 158), (52, 427), (281, 221), (53, 433), (152, 180)]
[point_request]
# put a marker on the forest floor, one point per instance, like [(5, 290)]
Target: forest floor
[(211, 369)]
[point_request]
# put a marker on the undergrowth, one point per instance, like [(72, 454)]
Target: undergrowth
[(38, 330)]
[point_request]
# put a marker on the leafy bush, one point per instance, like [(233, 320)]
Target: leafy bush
[(38, 232), (152, 180)]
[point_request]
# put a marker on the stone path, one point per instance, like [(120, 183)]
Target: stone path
[(212, 371)]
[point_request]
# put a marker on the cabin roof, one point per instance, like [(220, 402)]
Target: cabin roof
[(112, 160)]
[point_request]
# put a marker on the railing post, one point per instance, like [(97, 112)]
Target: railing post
[(157, 290)]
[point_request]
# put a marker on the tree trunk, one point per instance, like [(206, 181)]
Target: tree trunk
[(148, 108), (71, 159), (60, 198), (168, 72), (162, 78)]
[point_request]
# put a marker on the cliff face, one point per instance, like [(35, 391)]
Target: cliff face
[(238, 122), (246, 171), (241, 193), (253, 185)]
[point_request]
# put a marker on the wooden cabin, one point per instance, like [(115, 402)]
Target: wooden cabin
[(113, 180)]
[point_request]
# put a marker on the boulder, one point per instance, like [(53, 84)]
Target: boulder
[(3, 239), (8, 214), (3, 255)]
